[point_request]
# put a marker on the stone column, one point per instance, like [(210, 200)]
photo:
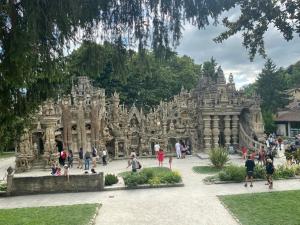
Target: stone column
[(216, 131), (207, 133), (235, 129), (227, 131), (116, 149)]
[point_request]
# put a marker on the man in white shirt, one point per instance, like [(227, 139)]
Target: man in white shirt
[(178, 151), (104, 154)]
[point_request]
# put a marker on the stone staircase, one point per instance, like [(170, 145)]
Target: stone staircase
[(38, 164)]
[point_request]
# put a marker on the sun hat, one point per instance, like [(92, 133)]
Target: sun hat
[(269, 160)]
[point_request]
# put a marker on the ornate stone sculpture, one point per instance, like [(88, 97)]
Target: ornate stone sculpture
[(208, 116)]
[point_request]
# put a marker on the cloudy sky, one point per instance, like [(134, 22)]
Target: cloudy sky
[(232, 56)]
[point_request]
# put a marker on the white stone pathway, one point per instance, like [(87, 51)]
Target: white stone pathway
[(193, 204)]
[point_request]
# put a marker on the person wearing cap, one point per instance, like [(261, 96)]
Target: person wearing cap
[(270, 171)]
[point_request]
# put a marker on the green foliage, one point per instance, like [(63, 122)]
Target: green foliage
[(233, 173), (110, 179), (152, 176), (259, 172), (284, 207), (81, 214), (238, 173), (3, 186), (283, 171), (271, 86), (255, 19), (171, 178), (218, 157), (141, 79), (268, 119)]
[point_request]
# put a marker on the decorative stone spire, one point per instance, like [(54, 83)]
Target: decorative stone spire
[(230, 78), (221, 77)]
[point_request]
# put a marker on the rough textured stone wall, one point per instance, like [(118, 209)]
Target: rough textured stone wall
[(56, 184)]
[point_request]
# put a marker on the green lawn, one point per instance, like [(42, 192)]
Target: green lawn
[(276, 208), (62, 215), (6, 154), (206, 169)]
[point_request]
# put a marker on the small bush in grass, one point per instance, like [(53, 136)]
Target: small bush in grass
[(233, 173), (110, 179), (3, 186), (218, 157)]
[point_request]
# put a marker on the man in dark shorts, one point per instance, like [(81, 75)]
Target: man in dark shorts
[(249, 170)]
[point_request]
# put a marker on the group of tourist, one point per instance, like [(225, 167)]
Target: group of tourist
[(181, 149), (65, 161)]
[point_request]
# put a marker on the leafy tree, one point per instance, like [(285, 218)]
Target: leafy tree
[(35, 34), (209, 68), (271, 86), (146, 80), (257, 16), (269, 123), (249, 89)]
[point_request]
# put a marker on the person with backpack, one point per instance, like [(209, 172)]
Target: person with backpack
[(249, 164), (87, 158), (270, 171), (134, 163)]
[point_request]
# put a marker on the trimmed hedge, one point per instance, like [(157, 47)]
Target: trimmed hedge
[(238, 173), (110, 179)]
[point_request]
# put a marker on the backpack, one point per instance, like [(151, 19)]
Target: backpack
[(139, 165), (63, 155)]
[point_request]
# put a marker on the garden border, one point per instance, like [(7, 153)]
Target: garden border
[(93, 219), (232, 182), (143, 186)]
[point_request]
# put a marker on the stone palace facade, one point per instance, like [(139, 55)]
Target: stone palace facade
[(213, 114)]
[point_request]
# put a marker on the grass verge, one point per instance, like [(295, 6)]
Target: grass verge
[(206, 169), (277, 208), (62, 215)]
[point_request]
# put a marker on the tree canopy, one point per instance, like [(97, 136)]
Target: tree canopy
[(144, 81)]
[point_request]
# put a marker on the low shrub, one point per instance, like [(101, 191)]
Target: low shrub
[(152, 176), (297, 169), (3, 186), (171, 178), (110, 179), (154, 181), (259, 172), (218, 157), (284, 172), (233, 173)]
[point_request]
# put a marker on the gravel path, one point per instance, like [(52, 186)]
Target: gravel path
[(193, 204)]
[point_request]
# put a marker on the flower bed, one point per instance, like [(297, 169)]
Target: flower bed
[(233, 173), (152, 176)]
